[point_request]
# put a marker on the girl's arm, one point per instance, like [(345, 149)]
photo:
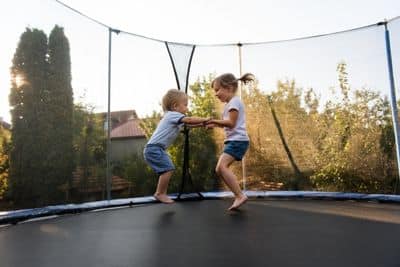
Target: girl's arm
[(229, 123)]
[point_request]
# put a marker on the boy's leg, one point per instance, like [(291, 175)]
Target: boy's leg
[(162, 186), (230, 179)]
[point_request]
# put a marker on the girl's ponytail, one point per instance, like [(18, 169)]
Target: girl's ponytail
[(228, 80), (247, 77)]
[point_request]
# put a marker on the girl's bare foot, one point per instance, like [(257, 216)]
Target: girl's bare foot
[(239, 201), (163, 198)]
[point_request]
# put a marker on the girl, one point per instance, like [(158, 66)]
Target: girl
[(234, 123)]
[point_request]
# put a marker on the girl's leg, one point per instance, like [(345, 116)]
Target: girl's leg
[(162, 186), (230, 179)]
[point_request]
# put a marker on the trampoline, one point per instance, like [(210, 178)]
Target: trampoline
[(282, 228), (265, 232)]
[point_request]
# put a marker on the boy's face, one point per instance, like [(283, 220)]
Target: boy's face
[(182, 105)]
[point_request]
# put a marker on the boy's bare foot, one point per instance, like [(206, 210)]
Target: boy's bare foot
[(239, 201), (163, 198)]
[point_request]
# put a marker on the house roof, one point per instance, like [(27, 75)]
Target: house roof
[(121, 115), (129, 129)]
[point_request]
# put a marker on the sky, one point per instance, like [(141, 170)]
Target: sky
[(141, 69), (227, 21)]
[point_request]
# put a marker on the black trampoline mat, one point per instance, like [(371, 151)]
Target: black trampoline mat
[(202, 233)]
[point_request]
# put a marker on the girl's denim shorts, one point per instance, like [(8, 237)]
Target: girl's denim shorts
[(236, 149)]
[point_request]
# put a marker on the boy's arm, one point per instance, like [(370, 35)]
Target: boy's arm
[(194, 120), (196, 125)]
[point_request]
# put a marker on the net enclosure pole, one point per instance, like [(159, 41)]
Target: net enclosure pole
[(108, 117), (240, 95), (392, 94), (108, 155), (186, 175), (109, 126)]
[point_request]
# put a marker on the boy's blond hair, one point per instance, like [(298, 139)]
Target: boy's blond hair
[(171, 98)]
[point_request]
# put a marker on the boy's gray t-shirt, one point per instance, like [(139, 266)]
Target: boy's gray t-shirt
[(168, 129)]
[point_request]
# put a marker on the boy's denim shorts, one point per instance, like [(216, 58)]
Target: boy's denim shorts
[(236, 149), (158, 159)]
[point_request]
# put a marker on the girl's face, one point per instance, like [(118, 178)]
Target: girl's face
[(223, 93), (182, 105)]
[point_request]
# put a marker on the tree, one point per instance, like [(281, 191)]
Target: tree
[(135, 169), (28, 85), (355, 144), (279, 131), (4, 160), (294, 183), (203, 148), (59, 104), (41, 102), (89, 143)]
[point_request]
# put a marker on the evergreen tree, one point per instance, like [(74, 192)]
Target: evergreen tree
[(59, 102), (41, 157), (28, 85)]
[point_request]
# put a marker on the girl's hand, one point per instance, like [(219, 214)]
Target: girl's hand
[(206, 121), (210, 125), (210, 121)]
